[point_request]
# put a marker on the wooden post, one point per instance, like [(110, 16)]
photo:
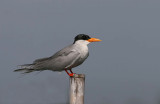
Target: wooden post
[(77, 89)]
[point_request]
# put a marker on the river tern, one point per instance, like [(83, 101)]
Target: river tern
[(65, 59)]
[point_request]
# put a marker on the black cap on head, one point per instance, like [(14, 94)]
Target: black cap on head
[(81, 37)]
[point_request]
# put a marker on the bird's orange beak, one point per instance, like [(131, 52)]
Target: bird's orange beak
[(94, 40)]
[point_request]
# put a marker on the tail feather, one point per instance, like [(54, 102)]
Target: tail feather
[(24, 70), (27, 68)]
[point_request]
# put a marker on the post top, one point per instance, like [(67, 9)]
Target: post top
[(79, 75)]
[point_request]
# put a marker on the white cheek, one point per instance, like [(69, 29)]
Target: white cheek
[(87, 42)]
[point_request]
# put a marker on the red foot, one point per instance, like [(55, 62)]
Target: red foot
[(71, 74)]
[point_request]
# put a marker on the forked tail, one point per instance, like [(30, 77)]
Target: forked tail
[(27, 68)]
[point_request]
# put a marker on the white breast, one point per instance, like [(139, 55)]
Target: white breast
[(83, 51), (82, 48)]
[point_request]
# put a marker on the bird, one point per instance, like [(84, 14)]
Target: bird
[(64, 60)]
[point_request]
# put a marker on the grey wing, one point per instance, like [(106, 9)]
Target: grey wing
[(59, 53), (62, 59), (65, 51), (41, 60)]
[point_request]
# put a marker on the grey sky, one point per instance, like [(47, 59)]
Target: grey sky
[(122, 69)]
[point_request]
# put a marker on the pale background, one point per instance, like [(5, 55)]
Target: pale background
[(122, 69)]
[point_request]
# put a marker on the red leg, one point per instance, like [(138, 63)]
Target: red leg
[(71, 70), (70, 74), (66, 71)]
